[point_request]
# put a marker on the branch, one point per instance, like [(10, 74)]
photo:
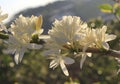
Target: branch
[(117, 17), (113, 53)]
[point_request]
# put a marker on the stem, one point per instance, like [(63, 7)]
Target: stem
[(117, 17), (113, 53), (110, 52)]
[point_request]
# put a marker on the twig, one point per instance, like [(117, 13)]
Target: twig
[(117, 17), (113, 53)]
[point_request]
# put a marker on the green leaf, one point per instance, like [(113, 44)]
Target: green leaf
[(106, 8)]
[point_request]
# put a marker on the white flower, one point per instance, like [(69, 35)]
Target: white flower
[(95, 38), (69, 29), (18, 47), (2, 17), (30, 25), (60, 59), (72, 33), (22, 31), (89, 38), (102, 38), (87, 41)]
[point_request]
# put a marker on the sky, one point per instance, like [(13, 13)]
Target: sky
[(13, 6)]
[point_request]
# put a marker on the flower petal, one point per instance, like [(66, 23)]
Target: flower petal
[(82, 60), (19, 55), (109, 37), (105, 45), (2, 17), (89, 54), (22, 51), (53, 64), (63, 67), (104, 29), (39, 22), (16, 57), (68, 60), (50, 52), (34, 46), (9, 51), (38, 32), (44, 37)]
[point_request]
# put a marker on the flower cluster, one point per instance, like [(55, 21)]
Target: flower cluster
[(70, 34), (20, 38), (68, 38)]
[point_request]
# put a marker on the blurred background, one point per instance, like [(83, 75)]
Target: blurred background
[(34, 68)]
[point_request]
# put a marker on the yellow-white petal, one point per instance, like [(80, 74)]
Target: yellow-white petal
[(50, 52), (16, 57), (109, 37), (39, 23), (34, 46), (21, 54), (89, 54), (63, 67), (2, 17), (68, 60), (53, 64), (83, 60), (105, 45)]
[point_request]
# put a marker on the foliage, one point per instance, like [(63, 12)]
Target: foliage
[(114, 9)]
